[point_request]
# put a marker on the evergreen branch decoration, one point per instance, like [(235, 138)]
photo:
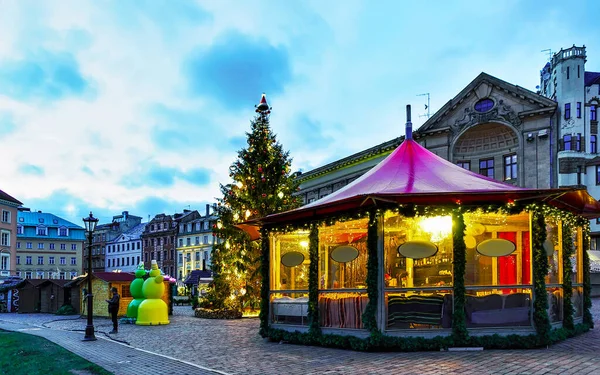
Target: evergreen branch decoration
[(369, 317), (459, 324), (266, 283), (587, 284), (541, 320), (313, 281), (568, 249)]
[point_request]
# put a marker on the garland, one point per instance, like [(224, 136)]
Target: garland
[(412, 344), (459, 325), (541, 320), (587, 284), (369, 316), (568, 249), (266, 282), (313, 282)]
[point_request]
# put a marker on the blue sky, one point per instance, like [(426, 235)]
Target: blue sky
[(141, 105)]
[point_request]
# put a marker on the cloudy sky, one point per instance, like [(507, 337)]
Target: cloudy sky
[(141, 105)]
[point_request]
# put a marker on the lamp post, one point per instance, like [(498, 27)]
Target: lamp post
[(90, 225)]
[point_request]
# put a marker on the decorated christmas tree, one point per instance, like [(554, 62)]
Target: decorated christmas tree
[(262, 185)]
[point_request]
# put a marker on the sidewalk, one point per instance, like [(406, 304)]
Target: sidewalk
[(113, 356)]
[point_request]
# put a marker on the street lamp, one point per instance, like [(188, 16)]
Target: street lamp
[(90, 225)]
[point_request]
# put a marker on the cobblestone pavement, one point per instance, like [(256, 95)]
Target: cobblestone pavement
[(235, 347)]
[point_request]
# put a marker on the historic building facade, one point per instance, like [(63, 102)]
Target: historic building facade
[(106, 233), (491, 127), (124, 253), (8, 234), (158, 241), (195, 240), (531, 139), (48, 247)]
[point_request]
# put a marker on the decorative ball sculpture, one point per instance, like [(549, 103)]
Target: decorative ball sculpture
[(153, 310), (136, 291)]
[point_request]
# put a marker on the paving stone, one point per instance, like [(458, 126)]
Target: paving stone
[(234, 347)]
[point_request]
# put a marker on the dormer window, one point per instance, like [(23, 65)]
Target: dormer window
[(42, 231), (55, 221), (41, 220), (21, 219), (63, 231)]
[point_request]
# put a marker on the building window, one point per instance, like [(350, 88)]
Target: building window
[(484, 105), (578, 142), (19, 229), (567, 111), (567, 142), (206, 225), (28, 260), (40, 246), (73, 275), (61, 275), (189, 227), (5, 238), (28, 275), (42, 231), (63, 260), (50, 260), (464, 164), (578, 109), (51, 246), (40, 260), (18, 259), (510, 167), (5, 216), (593, 113), (73, 261), (568, 71), (198, 226), (188, 241), (63, 232), (578, 71), (139, 244), (486, 167), (180, 242), (205, 240), (593, 144)]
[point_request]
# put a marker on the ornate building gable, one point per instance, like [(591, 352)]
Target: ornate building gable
[(487, 99)]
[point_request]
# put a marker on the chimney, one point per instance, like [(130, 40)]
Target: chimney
[(207, 209), (408, 123)]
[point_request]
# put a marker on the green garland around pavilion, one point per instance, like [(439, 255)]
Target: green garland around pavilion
[(369, 317), (313, 282), (380, 342), (266, 282), (567, 250), (587, 286), (459, 325), (541, 320)]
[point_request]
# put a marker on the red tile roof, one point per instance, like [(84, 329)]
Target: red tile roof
[(6, 197)]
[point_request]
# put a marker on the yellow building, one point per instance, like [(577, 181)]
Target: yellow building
[(48, 247), (195, 240)]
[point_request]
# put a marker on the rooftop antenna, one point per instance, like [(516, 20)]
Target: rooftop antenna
[(426, 106), (549, 53)]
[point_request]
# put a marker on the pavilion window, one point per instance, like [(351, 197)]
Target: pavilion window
[(343, 273), (498, 275), (289, 277), (418, 275), (553, 248)]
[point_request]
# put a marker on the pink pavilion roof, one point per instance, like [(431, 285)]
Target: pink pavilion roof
[(413, 174)]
